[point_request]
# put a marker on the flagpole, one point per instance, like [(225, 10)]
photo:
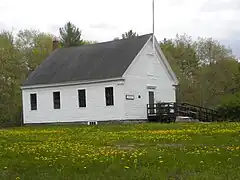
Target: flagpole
[(153, 7)]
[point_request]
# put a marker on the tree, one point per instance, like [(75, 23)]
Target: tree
[(19, 55), (70, 35), (129, 34), (85, 42), (206, 69), (237, 80), (210, 51), (34, 46), (182, 57), (10, 79), (218, 69)]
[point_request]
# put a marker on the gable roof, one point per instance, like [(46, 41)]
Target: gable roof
[(88, 62)]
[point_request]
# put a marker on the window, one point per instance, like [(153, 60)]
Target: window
[(82, 98), (56, 100), (109, 96), (33, 100)]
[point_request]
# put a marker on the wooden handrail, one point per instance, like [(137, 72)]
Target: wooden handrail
[(172, 110)]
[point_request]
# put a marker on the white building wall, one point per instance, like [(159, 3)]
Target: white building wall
[(70, 112), (147, 70)]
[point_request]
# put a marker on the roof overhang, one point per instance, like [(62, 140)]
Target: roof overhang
[(166, 63), (38, 86)]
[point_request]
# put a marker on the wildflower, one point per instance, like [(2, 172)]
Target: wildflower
[(5, 168), (126, 167), (161, 161), (201, 162), (17, 178)]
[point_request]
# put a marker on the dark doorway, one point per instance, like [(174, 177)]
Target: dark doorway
[(151, 102)]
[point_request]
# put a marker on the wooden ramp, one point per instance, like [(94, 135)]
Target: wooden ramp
[(168, 112)]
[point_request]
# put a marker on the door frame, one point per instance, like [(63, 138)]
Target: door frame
[(154, 97)]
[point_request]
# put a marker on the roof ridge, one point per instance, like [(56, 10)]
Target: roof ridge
[(105, 42)]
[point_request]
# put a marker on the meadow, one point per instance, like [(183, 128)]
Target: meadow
[(130, 151)]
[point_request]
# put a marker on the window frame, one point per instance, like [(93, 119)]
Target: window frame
[(82, 99), (57, 104), (35, 107), (110, 94)]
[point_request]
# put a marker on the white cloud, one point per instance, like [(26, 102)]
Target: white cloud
[(106, 19), (102, 26), (221, 5)]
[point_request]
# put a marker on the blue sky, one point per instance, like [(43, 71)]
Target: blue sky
[(103, 20)]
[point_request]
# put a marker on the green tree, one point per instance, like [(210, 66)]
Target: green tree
[(10, 79), (70, 35), (237, 80), (85, 42), (34, 46), (182, 57), (129, 34), (210, 51), (206, 69), (19, 55), (218, 71)]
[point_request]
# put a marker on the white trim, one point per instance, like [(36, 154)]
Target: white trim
[(78, 103), (154, 97), (70, 83), (30, 104), (153, 7), (166, 63), (136, 58), (164, 67), (163, 60), (151, 87), (114, 95), (60, 95)]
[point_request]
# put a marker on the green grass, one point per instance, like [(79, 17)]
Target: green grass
[(140, 151)]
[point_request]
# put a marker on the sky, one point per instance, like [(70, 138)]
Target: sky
[(103, 20)]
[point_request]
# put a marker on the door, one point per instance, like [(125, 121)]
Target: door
[(151, 101)]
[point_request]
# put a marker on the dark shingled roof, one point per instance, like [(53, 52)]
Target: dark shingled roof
[(88, 62)]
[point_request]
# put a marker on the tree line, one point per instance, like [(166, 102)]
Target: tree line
[(208, 72)]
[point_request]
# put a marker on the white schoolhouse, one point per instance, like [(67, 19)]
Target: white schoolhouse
[(108, 81)]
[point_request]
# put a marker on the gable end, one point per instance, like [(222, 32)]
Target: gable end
[(161, 58)]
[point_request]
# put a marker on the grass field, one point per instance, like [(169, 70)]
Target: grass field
[(140, 151)]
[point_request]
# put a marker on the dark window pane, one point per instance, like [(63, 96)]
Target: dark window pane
[(82, 98), (109, 96), (33, 100), (56, 100)]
